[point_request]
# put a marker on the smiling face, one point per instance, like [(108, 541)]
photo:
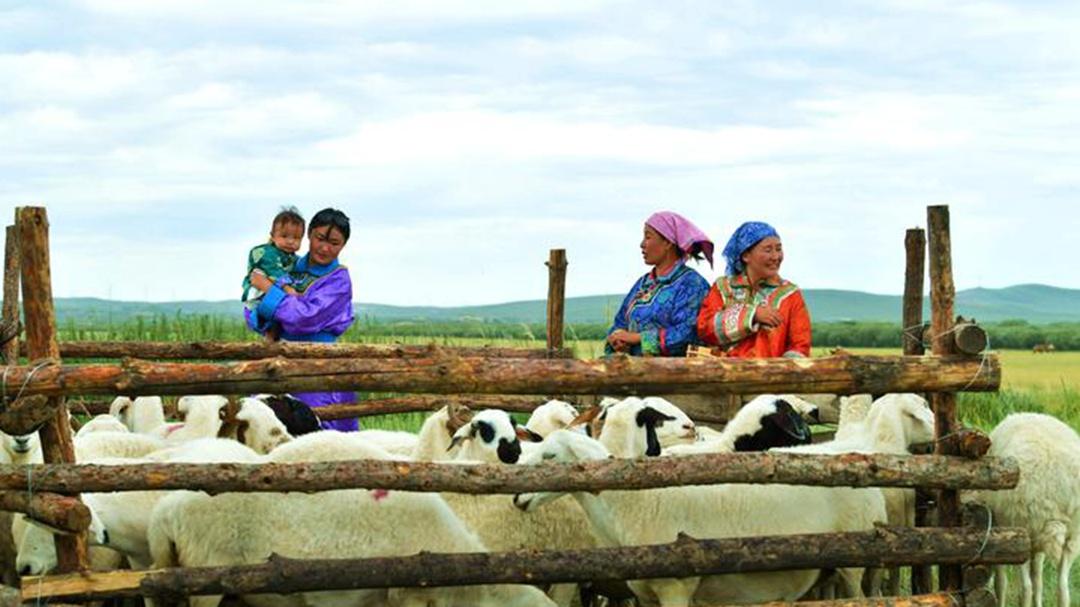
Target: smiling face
[(655, 249), (763, 259), (287, 236), (325, 244)]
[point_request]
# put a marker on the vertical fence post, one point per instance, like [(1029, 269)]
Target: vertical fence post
[(11, 293), (556, 301), (32, 226), (942, 299), (922, 577)]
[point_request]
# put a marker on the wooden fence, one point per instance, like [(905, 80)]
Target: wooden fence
[(40, 385)]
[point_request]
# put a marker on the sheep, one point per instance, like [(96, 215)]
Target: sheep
[(489, 434), (258, 427), (550, 416), (766, 421), (298, 417), (624, 425), (102, 423), (125, 516), (144, 415), (37, 546), (853, 410), (203, 418), (328, 445), (399, 442), (98, 445), (658, 516), (437, 432), (499, 525), (1046, 501), (193, 529), (21, 450), (893, 424)]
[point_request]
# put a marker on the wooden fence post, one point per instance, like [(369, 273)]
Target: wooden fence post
[(11, 295), (32, 226), (942, 299), (556, 301), (922, 577)]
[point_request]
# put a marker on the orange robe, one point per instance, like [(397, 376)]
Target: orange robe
[(726, 319)]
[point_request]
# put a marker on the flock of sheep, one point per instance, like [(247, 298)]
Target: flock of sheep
[(193, 529)]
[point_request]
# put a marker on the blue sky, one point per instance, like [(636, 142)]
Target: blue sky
[(465, 139)]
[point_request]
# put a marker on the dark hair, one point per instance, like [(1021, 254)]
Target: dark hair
[(288, 216), (694, 253), (333, 218)]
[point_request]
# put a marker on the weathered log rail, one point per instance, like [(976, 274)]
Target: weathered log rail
[(519, 403), (166, 350), (847, 470), (59, 511), (841, 374), (685, 557)]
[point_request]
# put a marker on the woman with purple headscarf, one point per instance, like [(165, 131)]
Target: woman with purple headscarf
[(322, 309), (658, 316), (751, 312)]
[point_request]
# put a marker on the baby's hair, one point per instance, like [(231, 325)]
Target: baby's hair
[(288, 216)]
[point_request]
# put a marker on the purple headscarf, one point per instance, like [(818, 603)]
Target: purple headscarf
[(744, 238), (682, 232)]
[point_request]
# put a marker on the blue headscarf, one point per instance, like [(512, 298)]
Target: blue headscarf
[(744, 238)]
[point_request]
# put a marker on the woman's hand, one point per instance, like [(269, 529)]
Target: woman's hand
[(622, 340), (767, 317), (261, 281)]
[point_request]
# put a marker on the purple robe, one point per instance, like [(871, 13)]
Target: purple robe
[(321, 314)]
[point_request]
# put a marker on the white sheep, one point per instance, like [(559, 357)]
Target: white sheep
[(658, 516), (551, 416), (1046, 501), (892, 425), (258, 427), (625, 426), (766, 421), (329, 445), (102, 423), (194, 529), (853, 410), (203, 418), (123, 516), (395, 441), (489, 433), (437, 431), (99, 445), (144, 415)]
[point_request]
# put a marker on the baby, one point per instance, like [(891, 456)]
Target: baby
[(276, 258)]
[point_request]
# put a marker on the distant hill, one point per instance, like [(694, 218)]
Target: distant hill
[(1035, 303)]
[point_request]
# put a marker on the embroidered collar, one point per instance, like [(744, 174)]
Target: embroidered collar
[(676, 270), (302, 265), (742, 280)]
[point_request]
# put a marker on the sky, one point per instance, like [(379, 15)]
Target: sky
[(467, 138)]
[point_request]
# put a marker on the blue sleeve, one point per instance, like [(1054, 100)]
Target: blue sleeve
[(325, 306), (620, 317), (681, 330)]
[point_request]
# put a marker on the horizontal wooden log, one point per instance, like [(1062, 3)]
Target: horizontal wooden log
[(168, 350), (848, 470), (843, 374), (58, 511), (377, 406), (685, 557), (941, 599)]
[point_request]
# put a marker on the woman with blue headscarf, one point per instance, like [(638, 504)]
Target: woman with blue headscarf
[(751, 312), (658, 316)]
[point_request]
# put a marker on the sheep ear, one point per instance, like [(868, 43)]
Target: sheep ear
[(463, 434), (651, 417), (459, 416), (527, 435), (790, 422), (241, 431), (587, 416), (652, 442)]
